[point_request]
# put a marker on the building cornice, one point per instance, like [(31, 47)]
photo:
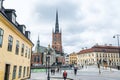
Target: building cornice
[(10, 25)]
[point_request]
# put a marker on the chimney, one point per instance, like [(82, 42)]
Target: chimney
[(105, 44), (110, 44), (96, 44), (1, 4)]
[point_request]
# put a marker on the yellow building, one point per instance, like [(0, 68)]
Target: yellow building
[(73, 58), (15, 47)]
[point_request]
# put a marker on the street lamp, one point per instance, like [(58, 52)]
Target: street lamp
[(48, 60), (98, 63), (110, 64), (118, 42)]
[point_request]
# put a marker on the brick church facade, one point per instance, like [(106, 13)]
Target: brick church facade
[(57, 41), (56, 37)]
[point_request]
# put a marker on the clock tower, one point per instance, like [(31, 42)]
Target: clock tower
[(56, 37)]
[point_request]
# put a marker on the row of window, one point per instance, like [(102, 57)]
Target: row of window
[(85, 55), (10, 44), (37, 59), (73, 58), (108, 55), (24, 70)]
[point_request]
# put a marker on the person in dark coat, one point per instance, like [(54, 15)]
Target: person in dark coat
[(75, 70)]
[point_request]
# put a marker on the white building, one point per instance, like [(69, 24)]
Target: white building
[(99, 53), (67, 59)]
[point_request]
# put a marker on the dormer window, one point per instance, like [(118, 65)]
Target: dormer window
[(13, 18), (24, 29), (11, 15), (27, 34)]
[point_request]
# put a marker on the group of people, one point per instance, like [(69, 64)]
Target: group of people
[(53, 70), (65, 73)]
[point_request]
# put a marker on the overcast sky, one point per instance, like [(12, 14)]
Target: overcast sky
[(83, 22)]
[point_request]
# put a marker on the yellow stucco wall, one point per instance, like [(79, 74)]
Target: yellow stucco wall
[(73, 58), (7, 57)]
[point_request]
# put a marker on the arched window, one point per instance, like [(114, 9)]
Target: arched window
[(1, 36), (34, 58), (38, 59)]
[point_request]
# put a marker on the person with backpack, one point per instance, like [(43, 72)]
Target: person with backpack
[(65, 75)]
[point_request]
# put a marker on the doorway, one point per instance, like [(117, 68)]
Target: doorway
[(7, 71)]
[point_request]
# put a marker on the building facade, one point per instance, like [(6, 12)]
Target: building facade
[(56, 37), (73, 58), (39, 55), (99, 54), (15, 47), (57, 43), (67, 59)]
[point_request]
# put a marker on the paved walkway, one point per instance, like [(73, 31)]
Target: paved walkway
[(90, 73)]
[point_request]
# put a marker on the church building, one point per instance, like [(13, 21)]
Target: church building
[(56, 37), (40, 53), (57, 42)]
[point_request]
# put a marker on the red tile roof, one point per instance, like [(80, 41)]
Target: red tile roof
[(100, 48)]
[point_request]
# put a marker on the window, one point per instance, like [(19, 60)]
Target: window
[(17, 47), (10, 43), (20, 71), (14, 72), (27, 71), (26, 51), (29, 54), (1, 37), (34, 58), (13, 18), (38, 59), (22, 50), (24, 71)]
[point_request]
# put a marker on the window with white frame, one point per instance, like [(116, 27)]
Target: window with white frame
[(1, 36), (17, 47), (14, 72), (10, 43), (20, 71), (22, 49)]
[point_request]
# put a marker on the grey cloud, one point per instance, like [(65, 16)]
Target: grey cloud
[(67, 11)]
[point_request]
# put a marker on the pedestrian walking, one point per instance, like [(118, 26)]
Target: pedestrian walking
[(75, 70), (65, 75)]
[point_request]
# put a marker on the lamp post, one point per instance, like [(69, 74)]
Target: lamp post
[(99, 62), (110, 64), (48, 60), (46, 64), (118, 42)]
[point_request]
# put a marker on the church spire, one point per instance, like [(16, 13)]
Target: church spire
[(57, 24), (38, 45), (38, 42)]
